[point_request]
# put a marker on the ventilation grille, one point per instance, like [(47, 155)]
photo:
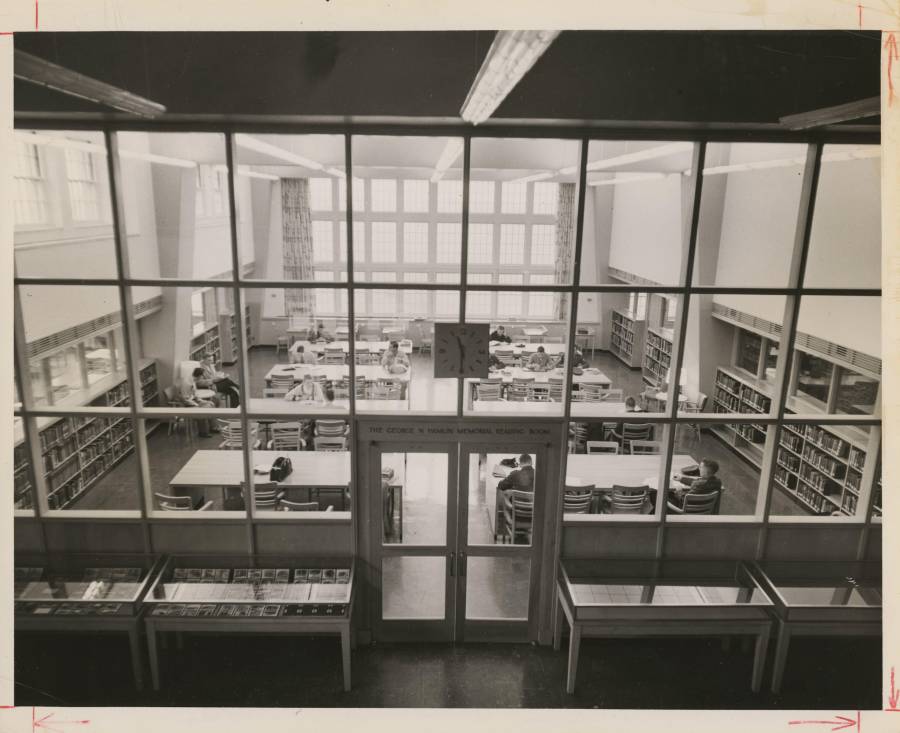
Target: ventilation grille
[(629, 277), (805, 342), (73, 335)]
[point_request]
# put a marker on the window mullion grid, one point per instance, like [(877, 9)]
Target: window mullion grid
[(463, 258), (351, 322), (249, 494), (686, 276), (799, 256), (129, 330)]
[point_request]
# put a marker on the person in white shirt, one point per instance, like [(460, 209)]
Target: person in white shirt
[(394, 360), (302, 356), (308, 390)]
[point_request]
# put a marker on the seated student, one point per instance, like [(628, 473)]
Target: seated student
[(308, 390), (521, 478), (318, 333), (301, 356), (578, 360), (540, 361), (394, 360), (219, 381), (187, 396), (328, 395), (499, 334), (494, 364), (631, 405), (706, 483)]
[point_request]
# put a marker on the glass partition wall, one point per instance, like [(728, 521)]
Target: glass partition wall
[(251, 303)]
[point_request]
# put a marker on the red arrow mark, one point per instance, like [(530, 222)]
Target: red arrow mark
[(839, 724), (894, 697), (41, 723), (859, 9), (892, 53)]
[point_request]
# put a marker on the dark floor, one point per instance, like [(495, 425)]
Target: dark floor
[(251, 671)]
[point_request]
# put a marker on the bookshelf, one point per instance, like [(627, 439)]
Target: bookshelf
[(657, 355), (23, 491), (819, 467), (625, 333), (78, 451), (228, 326), (206, 341)]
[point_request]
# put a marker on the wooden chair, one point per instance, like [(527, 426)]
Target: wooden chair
[(341, 389), (578, 501), (694, 407), (518, 511), (518, 392), (331, 428), (577, 437), (645, 447), (365, 357), (556, 385), (282, 383), (589, 392), (602, 446), (632, 431), (629, 500), (705, 503), (488, 390), (385, 389), (539, 392), (282, 342), (177, 421), (507, 356), (233, 435), (301, 506), (286, 436), (329, 443), (362, 388), (266, 495), (170, 503)]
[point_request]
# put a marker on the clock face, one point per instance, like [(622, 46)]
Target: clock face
[(461, 350)]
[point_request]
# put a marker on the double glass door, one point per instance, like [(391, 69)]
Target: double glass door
[(455, 551)]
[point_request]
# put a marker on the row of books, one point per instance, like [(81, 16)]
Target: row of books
[(259, 575), (249, 610), (67, 609), (823, 462), (827, 441)]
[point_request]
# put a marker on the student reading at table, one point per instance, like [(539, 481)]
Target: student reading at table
[(318, 333), (540, 361), (521, 478), (578, 360), (219, 381), (302, 356), (707, 483), (394, 360), (499, 334), (308, 390), (631, 405), (187, 396), (494, 363)]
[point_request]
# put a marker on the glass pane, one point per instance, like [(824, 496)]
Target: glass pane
[(413, 588), (837, 363), (300, 362), (69, 330), (523, 202), (61, 205), (175, 193), (845, 241), (414, 498), (635, 206), (748, 216), (820, 470), (497, 588), (395, 363), (23, 478), (731, 353), (413, 223), (501, 498), (527, 355), (613, 467)]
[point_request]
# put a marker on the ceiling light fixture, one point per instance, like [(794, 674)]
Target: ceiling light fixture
[(860, 153), (248, 142), (631, 178), (534, 177), (860, 109), (336, 172), (510, 56), (46, 74), (448, 157), (660, 151)]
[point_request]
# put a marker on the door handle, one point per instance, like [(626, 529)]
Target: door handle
[(462, 560), (452, 564)]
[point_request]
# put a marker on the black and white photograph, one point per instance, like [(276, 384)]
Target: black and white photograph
[(484, 369)]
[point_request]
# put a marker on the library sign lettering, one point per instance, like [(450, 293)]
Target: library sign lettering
[(459, 432)]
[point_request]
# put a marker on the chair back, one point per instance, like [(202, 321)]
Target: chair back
[(518, 510), (298, 506), (629, 499), (614, 395), (286, 436), (589, 392), (385, 389), (170, 503), (233, 434), (341, 389), (577, 501), (602, 446), (577, 436), (334, 356), (517, 392), (507, 356), (523, 380), (330, 444), (539, 392), (706, 503), (555, 385), (331, 428), (645, 447), (487, 391), (282, 381)]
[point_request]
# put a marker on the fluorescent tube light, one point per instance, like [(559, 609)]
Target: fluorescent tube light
[(153, 158), (660, 151), (336, 172), (510, 56), (448, 157), (867, 151), (631, 178), (534, 177), (249, 142)]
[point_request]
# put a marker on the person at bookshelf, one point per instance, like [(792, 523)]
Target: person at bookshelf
[(707, 482), (188, 397), (499, 334), (219, 381), (540, 361), (309, 390), (394, 360), (301, 356), (318, 333)]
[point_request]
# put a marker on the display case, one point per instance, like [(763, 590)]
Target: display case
[(616, 598), (260, 594), (84, 594), (814, 598)]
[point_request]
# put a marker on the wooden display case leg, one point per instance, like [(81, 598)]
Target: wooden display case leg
[(137, 658), (154, 657), (557, 626), (759, 659), (781, 650), (345, 654), (574, 645)]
